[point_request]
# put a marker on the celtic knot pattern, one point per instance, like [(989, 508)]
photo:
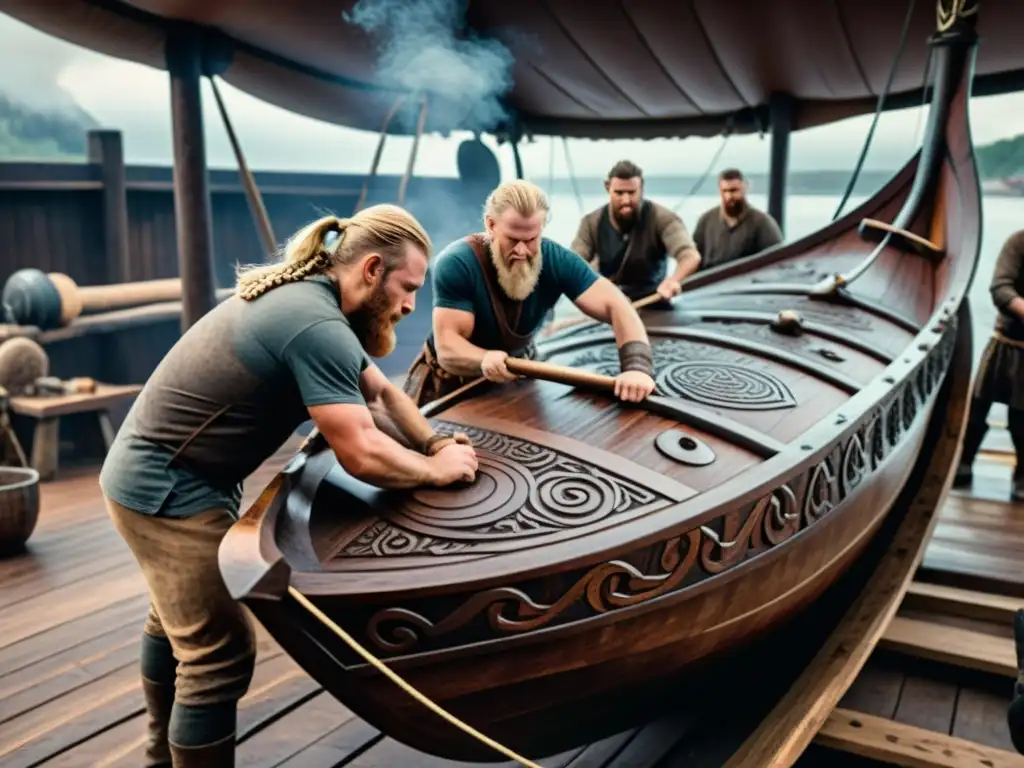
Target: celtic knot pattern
[(522, 490), (725, 385)]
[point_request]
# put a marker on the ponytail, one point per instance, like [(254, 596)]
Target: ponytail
[(385, 229), (305, 254)]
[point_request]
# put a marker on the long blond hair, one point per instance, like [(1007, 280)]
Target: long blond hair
[(522, 196), (385, 229)]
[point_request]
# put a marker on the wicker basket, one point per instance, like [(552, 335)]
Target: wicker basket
[(19, 507)]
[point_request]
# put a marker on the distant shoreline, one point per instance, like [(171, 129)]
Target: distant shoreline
[(818, 183)]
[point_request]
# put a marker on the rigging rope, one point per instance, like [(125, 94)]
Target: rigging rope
[(707, 171), (572, 175), (252, 191), (878, 110), (375, 163), (404, 184), (385, 670)]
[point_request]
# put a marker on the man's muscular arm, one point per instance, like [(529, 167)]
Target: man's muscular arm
[(678, 244), (603, 301)]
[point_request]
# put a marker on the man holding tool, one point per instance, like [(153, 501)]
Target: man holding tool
[(492, 291)]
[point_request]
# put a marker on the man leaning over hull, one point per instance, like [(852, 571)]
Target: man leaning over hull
[(629, 240), (492, 291), (292, 345)]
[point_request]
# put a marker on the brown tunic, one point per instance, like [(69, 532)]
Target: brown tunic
[(720, 243), (634, 261), (1000, 376)]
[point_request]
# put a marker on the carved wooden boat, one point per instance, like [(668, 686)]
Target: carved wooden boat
[(606, 551)]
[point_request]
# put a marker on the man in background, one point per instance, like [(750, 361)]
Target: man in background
[(734, 229), (630, 239)]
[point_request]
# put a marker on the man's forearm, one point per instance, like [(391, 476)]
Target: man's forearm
[(460, 357), (686, 264), (381, 461), (627, 324), (406, 417)]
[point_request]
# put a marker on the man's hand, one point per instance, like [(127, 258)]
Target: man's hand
[(633, 386), (453, 463), (669, 287), (493, 367)]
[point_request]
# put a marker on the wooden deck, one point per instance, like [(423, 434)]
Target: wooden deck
[(72, 608)]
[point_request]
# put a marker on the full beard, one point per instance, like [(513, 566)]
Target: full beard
[(736, 207), (624, 221), (520, 278), (374, 324)]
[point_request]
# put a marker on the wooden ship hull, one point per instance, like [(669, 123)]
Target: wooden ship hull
[(607, 553)]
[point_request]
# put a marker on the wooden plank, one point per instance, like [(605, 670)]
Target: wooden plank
[(927, 703), (339, 747), (105, 397), (784, 734), (876, 690), (951, 645), (905, 745), (981, 718), (969, 603)]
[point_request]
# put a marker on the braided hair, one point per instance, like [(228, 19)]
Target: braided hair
[(385, 229)]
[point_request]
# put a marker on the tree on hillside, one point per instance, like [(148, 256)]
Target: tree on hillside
[(1001, 158), (27, 134)]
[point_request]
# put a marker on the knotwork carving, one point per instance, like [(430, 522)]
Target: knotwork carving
[(523, 490), (725, 385), (704, 373), (735, 536)]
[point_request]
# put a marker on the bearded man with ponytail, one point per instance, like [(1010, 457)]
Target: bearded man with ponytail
[(290, 346)]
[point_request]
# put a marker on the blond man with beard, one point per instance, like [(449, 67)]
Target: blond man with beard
[(292, 345), (492, 291)]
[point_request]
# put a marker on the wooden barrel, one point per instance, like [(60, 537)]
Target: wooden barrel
[(19, 507)]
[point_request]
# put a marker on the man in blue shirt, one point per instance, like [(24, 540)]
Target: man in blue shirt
[(493, 290)]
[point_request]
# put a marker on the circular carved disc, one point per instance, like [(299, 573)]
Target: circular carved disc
[(684, 448)]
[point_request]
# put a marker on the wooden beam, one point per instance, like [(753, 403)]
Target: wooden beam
[(780, 115), (968, 603), (951, 645), (875, 230), (896, 743), (107, 152), (192, 208)]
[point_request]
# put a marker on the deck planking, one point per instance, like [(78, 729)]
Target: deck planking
[(72, 608)]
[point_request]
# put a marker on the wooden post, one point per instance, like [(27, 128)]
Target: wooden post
[(780, 113), (192, 208), (518, 158), (106, 150)]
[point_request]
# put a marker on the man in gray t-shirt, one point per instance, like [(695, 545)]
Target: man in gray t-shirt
[(292, 346)]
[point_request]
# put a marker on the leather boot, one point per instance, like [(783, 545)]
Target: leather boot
[(1015, 713), (159, 701), (220, 754)]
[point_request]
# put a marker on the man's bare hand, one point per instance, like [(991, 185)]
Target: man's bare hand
[(453, 463), (669, 288), (633, 386), (493, 367)]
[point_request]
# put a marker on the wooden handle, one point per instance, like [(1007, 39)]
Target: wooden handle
[(103, 297), (646, 301), (560, 374)]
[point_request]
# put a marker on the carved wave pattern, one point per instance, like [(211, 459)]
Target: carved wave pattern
[(522, 490), (704, 373), (733, 538), (835, 315), (805, 345)]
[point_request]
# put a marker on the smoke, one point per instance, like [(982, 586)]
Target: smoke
[(426, 48)]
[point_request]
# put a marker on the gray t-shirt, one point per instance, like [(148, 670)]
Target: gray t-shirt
[(230, 392), (719, 243)]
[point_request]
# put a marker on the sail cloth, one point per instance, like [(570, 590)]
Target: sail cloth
[(649, 69)]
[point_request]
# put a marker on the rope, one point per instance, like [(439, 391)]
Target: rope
[(252, 191), (704, 176), (572, 175), (878, 110), (385, 670), (380, 151), (404, 185)]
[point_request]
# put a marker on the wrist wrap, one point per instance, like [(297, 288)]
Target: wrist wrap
[(636, 356)]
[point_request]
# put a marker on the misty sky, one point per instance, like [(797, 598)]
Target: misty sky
[(48, 73)]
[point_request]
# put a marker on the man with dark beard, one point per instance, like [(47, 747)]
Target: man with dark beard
[(287, 348), (629, 240), (492, 291), (734, 229)]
